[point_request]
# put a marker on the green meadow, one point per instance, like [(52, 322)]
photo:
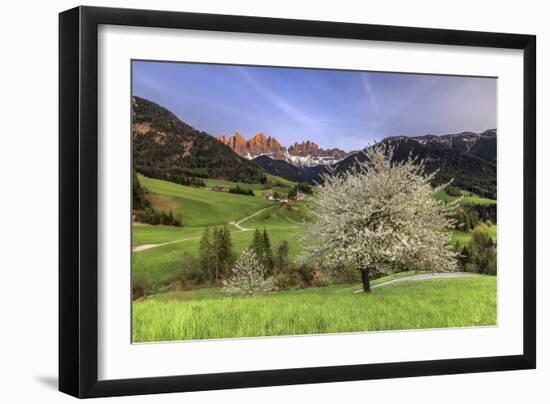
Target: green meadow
[(203, 314), (206, 312), (468, 198), (276, 184), (465, 237), (201, 208)]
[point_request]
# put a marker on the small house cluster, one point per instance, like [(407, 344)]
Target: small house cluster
[(274, 196), (220, 189)]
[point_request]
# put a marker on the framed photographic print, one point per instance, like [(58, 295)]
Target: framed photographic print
[(251, 201)]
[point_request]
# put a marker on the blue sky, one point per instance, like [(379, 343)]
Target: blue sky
[(345, 109)]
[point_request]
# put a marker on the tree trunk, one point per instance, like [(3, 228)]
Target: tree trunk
[(365, 279)]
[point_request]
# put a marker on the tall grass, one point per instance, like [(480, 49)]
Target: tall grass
[(437, 303)]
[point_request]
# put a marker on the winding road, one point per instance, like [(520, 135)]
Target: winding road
[(238, 224), (144, 247), (420, 277)]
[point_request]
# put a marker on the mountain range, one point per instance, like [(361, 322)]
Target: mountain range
[(467, 158), (303, 154), (165, 147)]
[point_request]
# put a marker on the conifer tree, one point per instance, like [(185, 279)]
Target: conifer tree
[(207, 257), (223, 250), (257, 245), (467, 222), (229, 256), (282, 255), (267, 254), (139, 200), (216, 256)]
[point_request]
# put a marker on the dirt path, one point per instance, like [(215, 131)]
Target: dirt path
[(238, 224), (421, 277), (144, 247)]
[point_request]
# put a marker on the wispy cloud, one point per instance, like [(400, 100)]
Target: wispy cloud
[(365, 82), (332, 108), (149, 81), (278, 101)]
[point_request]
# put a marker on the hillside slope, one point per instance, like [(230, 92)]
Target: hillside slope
[(164, 147), (289, 171), (467, 159)]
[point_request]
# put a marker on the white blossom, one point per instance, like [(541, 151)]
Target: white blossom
[(381, 216), (247, 276)]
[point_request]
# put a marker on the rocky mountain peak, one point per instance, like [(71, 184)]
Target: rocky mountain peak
[(309, 148), (302, 154)]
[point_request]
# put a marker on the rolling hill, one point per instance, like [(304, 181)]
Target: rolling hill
[(201, 208), (164, 147)]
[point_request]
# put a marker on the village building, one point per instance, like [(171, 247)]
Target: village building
[(220, 189)]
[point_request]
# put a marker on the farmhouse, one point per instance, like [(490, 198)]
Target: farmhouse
[(269, 195), (220, 189)]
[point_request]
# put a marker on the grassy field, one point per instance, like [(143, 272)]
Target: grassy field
[(206, 313), (163, 264), (199, 207), (468, 198), (149, 234), (465, 237), (202, 208), (274, 183)]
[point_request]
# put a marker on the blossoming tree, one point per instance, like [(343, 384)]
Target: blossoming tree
[(248, 276), (380, 217)]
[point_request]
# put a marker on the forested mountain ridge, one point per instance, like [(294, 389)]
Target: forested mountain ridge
[(288, 171), (469, 159), (164, 147)]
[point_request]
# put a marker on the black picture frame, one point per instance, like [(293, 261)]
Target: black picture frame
[(78, 201)]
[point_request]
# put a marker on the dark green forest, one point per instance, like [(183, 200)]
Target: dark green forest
[(166, 148)]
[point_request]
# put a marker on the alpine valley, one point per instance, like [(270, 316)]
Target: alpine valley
[(167, 148), (260, 206)]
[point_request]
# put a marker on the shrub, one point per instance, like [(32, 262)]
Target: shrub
[(307, 273), (190, 271), (453, 191), (240, 190), (287, 280), (247, 276), (480, 254), (141, 285)]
